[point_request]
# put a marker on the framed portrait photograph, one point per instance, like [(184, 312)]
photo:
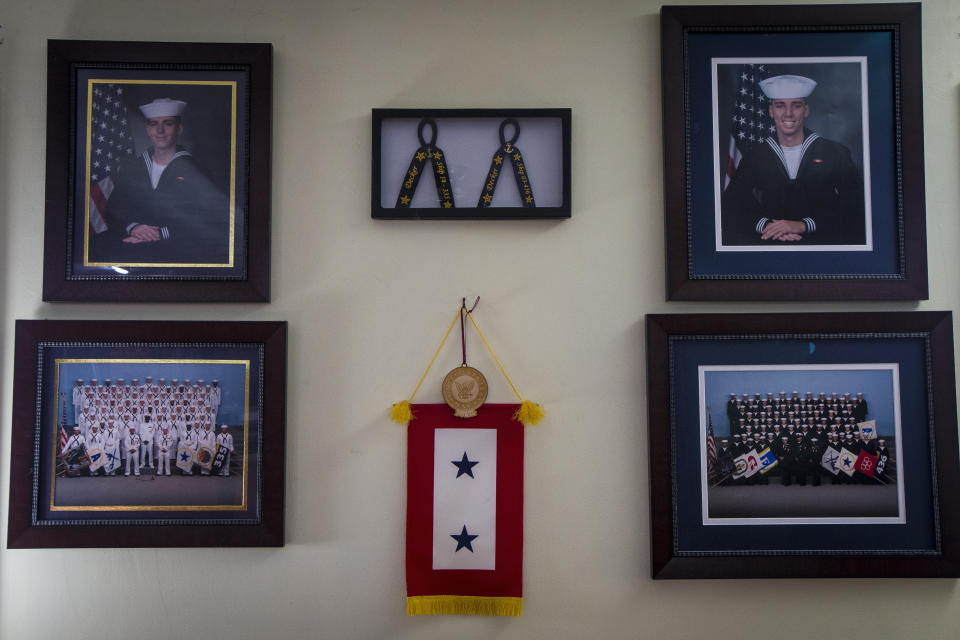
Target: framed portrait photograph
[(803, 445), (800, 175), (158, 171), (147, 434), (501, 164)]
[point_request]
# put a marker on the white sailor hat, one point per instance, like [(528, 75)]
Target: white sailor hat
[(76, 427), (223, 426), (785, 87), (163, 107)]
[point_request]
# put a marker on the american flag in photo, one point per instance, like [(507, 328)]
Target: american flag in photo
[(711, 451), (749, 116), (110, 141)]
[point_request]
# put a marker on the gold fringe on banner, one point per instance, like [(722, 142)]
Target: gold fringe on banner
[(463, 605)]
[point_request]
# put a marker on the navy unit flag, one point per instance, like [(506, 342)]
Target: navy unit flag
[(96, 458), (205, 458), (830, 459), (185, 458), (220, 458)]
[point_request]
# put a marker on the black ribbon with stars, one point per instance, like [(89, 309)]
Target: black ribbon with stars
[(510, 152), (427, 151)]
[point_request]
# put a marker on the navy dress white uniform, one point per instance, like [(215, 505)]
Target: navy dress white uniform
[(112, 443), (78, 398), (807, 187), (94, 441), (189, 438), (224, 439), (166, 446), (216, 395), (148, 428), (164, 208), (75, 441), (207, 438), (131, 445)]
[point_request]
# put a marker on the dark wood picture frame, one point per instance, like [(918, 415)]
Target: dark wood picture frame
[(681, 347), (72, 65), (481, 149), (892, 261), (43, 347)]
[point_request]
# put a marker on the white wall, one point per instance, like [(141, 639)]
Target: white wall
[(562, 302)]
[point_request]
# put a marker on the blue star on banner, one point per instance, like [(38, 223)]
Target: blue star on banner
[(184, 457), (463, 540), (464, 465)]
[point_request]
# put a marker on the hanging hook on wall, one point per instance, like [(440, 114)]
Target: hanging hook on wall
[(463, 334)]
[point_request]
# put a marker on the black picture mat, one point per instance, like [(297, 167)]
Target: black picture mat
[(905, 20), (666, 563), (468, 212), (21, 533), (62, 56)]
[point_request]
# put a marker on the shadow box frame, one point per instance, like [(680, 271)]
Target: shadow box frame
[(885, 258), (912, 351), (93, 507), (228, 88), (473, 151)]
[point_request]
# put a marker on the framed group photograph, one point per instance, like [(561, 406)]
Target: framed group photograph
[(498, 164), (158, 172), (803, 445), (147, 434), (793, 150)]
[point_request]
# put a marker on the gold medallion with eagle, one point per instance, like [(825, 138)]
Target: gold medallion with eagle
[(465, 390)]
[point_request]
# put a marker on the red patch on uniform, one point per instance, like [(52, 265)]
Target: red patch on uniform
[(181, 177), (815, 161)]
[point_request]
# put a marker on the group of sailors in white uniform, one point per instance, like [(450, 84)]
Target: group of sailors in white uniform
[(144, 426)]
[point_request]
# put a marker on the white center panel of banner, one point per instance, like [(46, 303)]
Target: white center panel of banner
[(465, 505)]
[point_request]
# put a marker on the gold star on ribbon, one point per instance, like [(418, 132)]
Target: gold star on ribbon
[(437, 154), (421, 155), (447, 204), (517, 157), (405, 200), (529, 198), (487, 198), (498, 159)]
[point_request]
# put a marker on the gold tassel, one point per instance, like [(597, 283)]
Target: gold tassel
[(529, 413), (463, 606), (401, 412)]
